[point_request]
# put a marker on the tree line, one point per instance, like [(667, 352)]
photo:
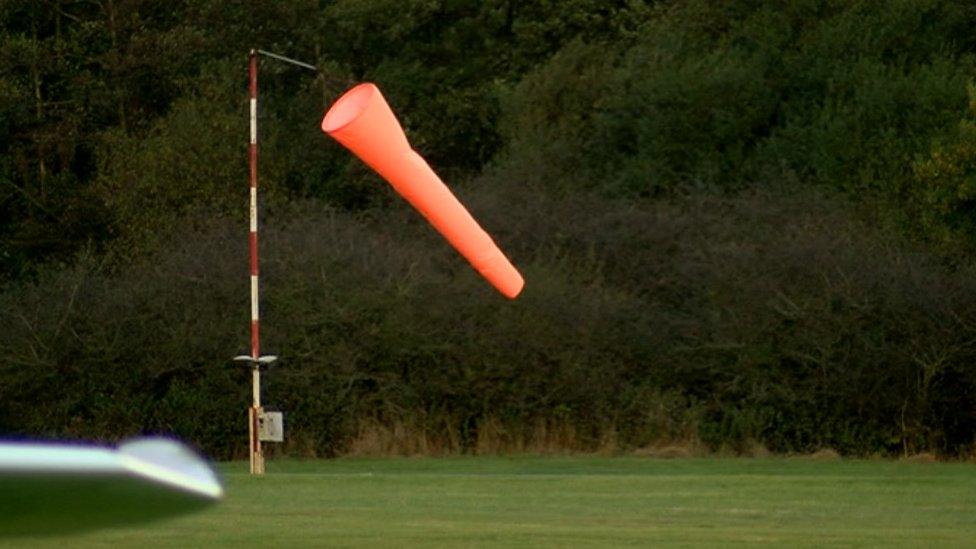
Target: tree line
[(740, 222)]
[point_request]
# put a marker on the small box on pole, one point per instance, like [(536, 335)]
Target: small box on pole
[(271, 427)]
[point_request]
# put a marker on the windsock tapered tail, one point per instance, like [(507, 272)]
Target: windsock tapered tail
[(362, 121)]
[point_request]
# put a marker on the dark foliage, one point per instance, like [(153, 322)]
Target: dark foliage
[(739, 221), (753, 318)]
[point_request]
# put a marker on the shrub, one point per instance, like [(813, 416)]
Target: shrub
[(755, 318)]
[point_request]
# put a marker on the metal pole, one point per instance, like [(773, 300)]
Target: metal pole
[(255, 360), (257, 457)]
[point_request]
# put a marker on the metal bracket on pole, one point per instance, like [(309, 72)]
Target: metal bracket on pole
[(263, 361), (287, 60)]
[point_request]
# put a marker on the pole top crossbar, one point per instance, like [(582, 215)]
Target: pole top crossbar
[(285, 59)]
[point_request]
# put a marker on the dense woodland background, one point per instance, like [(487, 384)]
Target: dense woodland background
[(742, 223)]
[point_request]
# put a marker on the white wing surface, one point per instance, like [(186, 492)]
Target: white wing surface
[(50, 489)]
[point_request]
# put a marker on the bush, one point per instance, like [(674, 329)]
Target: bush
[(731, 320)]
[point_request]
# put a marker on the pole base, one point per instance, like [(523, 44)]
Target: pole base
[(257, 456)]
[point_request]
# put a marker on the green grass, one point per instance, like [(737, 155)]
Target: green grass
[(574, 501)]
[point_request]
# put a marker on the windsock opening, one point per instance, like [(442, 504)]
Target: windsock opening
[(348, 107)]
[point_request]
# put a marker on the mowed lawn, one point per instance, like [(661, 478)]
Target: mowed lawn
[(573, 502)]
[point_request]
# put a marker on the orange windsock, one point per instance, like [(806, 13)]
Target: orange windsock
[(362, 121)]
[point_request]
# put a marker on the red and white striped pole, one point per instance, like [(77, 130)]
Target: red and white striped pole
[(257, 457), (252, 154), (255, 412)]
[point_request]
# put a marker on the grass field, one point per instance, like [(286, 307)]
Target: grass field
[(573, 502)]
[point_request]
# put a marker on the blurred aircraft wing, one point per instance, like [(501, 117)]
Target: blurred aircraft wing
[(51, 489)]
